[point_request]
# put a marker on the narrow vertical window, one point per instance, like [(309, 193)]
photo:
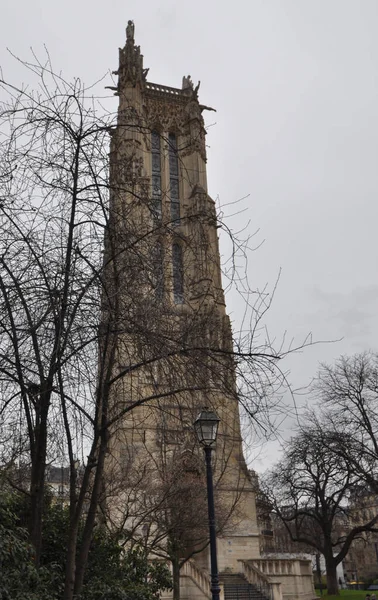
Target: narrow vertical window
[(156, 174), (158, 271), (174, 179), (178, 274)]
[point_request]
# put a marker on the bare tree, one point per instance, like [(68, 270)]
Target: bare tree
[(348, 403), (176, 526), (348, 398), (309, 489)]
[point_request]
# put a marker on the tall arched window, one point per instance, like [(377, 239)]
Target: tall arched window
[(178, 274), (156, 174), (174, 179), (158, 270)]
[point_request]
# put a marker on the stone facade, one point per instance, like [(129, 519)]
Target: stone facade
[(361, 562), (178, 358)]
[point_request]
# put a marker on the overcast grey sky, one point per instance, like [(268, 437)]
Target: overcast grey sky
[(295, 85)]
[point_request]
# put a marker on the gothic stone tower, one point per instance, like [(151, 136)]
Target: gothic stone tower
[(174, 342)]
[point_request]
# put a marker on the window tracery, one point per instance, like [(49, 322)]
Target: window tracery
[(158, 271), (174, 179), (156, 174), (178, 274)]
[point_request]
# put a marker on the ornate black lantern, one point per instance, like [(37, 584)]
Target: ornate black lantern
[(206, 427)]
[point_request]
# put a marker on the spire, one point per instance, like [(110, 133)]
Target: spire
[(130, 70)]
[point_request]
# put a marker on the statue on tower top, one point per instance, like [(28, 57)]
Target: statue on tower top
[(130, 29)]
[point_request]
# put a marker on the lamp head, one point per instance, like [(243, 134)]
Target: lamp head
[(206, 427)]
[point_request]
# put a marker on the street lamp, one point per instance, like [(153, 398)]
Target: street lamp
[(206, 428)]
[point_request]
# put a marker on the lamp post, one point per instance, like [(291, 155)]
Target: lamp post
[(206, 428)]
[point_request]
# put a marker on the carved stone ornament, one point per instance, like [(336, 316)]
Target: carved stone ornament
[(169, 116), (193, 110), (194, 142), (184, 119), (187, 83)]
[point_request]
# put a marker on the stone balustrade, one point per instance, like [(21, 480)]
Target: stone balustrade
[(275, 567), (283, 566), (165, 89), (200, 578), (294, 576), (256, 577)]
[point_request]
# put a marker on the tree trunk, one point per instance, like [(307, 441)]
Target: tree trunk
[(176, 578), (82, 557), (38, 472), (332, 584), (69, 583), (37, 489), (319, 573), (76, 509)]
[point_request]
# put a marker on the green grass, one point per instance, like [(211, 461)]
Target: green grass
[(345, 595)]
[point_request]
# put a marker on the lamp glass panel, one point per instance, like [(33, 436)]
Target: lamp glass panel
[(207, 431)]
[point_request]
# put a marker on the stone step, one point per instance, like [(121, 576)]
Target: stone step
[(236, 587), (232, 579), (244, 591), (243, 595)]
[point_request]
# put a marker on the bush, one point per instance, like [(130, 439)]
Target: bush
[(113, 573)]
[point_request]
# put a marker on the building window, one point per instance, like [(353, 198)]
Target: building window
[(158, 271), (174, 179), (156, 174), (178, 274)]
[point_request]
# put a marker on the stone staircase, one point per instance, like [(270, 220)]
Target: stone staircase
[(237, 587)]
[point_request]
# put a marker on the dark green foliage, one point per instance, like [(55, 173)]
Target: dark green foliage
[(112, 572), (19, 579), (128, 575)]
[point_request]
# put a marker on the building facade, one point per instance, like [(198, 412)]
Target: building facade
[(361, 562), (174, 343)]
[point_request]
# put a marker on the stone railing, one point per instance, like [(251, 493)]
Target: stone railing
[(275, 566), (256, 577), (165, 89), (294, 575), (283, 566), (200, 578)]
